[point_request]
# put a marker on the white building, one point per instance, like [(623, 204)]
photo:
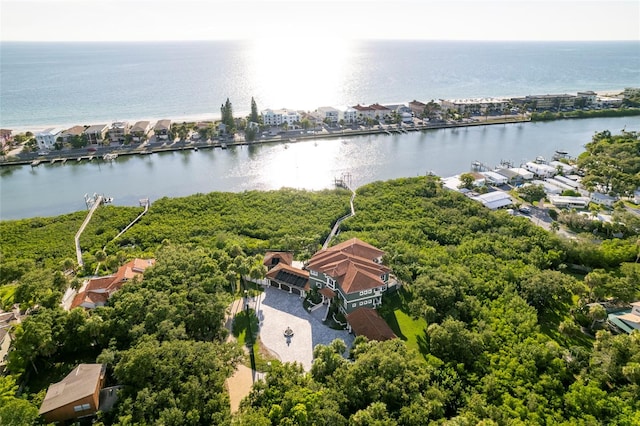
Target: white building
[(541, 170), (348, 114), (549, 189), (561, 185), (329, 114), (46, 139), (566, 168), (572, 183), (569, 202), (494, 200), (495, 178), (280, 116), (604, 199), (524, 173), (608, 102)]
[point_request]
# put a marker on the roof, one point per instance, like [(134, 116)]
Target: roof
[(284, 256), (633, 318), (96, 128), (327, 292), (351, 264), (141, 126), (105, 286), (162, 125), (367, 322), (358, 248), (80, 383), (74, 131), (289, 275)]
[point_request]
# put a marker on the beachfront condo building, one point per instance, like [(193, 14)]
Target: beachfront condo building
[(280, 116), (47, 138), (119, 131)]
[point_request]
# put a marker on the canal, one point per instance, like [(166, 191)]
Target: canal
[(52, 189)]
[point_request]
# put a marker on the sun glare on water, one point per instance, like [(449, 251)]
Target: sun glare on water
[(298, 73)]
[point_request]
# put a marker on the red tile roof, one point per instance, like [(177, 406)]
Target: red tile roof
[(284, 256), (367, 322), (351, 264), (327, 292), (99, 289)]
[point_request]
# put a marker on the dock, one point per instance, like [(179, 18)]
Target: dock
[(94, 202)]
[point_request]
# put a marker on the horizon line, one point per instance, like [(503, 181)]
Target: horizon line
[(348, 39)]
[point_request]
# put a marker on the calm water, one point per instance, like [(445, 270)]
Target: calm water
[(91, 83), (54, 189)]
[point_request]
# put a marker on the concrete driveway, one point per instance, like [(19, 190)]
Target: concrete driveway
[(277, 310)]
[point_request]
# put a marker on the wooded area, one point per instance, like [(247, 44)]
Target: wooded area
[(509, 337)]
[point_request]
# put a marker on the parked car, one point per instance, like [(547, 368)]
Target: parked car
[(524, 210)]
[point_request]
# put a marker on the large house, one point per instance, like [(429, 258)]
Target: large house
[(140, 130), (75, 396), (162, 129), (353, 272), (280, 116), (95, 292), (119, 131), (47, 138), (96, 133)]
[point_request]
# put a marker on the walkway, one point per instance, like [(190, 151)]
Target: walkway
[(335, 228), (96, 203)]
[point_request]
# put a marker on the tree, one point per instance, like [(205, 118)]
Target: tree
[(226, 112), (532, 193), (597, 313), (547, 290), (254, 117), (466, 180)]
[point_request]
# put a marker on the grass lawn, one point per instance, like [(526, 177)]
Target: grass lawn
[(412, 331)]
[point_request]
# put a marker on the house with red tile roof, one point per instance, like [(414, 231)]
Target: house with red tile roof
[(353, 270), (96, 291)]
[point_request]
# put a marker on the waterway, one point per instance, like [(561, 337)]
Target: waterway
[(49, 190)]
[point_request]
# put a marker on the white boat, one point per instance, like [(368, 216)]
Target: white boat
[(110, 156)]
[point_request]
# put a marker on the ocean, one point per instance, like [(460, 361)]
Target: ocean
[(64, 84)]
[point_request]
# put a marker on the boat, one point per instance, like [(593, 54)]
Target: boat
[(559, 154), (195, 148), (110, 156), (34, 163), (293, 140)]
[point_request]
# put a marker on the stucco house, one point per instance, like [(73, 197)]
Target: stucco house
[(75, 396), (353, 272), (96, 291)]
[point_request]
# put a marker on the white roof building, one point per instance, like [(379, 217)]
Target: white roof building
[(549, 189), (541, 170), (569, 202), (572, 183), (524, 173), (47, 138), (495, 178), (280, 116), (494, 200), (604, 199), (566, 168)]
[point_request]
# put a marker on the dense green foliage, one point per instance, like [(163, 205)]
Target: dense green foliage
[(612, 163), (492, 290)]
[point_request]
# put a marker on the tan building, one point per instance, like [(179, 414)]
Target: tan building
[(162, 129), (96, 133), (75, 396), (119, 131), (140, 130)]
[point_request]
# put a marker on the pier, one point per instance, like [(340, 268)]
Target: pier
[(93, 202)]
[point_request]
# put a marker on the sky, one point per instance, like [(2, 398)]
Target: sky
[(320, 22)]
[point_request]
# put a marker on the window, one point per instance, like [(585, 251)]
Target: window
[(313, 273), (83, 407)]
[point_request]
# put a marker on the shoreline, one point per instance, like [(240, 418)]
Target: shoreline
[(146, 149), (205, 116)]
